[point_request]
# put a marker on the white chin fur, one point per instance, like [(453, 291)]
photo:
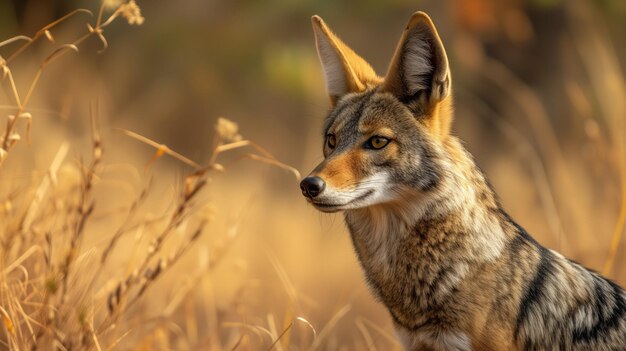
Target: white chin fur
[(369, 191)]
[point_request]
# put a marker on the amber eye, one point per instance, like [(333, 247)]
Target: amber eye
[(376, 142), (331, 141)]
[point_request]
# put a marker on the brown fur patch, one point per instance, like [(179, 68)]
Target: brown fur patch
[(344, 170)]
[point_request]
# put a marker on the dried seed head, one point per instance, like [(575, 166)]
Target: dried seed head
[(227, 130), (218, 167), (14, 138), (26, 115), (131, 12)]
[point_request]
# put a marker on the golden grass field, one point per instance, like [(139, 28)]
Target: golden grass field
[(133, 216)]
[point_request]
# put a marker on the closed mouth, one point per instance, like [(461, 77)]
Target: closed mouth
[(326, 207)]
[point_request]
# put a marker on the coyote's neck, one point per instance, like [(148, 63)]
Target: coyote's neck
[(414, 253)]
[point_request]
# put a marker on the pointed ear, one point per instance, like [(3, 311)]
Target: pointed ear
[(344, 70), (419, 74)]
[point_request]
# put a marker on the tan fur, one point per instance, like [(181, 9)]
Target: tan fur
[(342, 171), (441, 120)]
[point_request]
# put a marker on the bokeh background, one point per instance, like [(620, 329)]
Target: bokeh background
[(540, 101)]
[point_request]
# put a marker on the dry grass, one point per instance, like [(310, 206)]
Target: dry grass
[(103, 247), (58, 293)]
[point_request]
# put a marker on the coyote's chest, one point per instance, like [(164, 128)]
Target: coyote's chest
[(422, 271), (413, 275)]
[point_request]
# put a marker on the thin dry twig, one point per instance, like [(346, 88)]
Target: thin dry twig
[(10, 137), (330, 325), (280, 336), (161, 148), (42, 32)]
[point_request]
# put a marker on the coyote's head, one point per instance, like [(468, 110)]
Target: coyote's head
[(384, 137)]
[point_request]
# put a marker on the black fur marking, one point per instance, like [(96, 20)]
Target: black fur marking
[(503, 292), (605, 323), (534, 292), (517, 243), (412, 103)]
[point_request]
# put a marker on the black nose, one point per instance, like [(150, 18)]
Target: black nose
[(312, 186)]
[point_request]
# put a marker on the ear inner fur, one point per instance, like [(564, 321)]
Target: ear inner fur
[(421, 43), (419, 75), (344, 70)]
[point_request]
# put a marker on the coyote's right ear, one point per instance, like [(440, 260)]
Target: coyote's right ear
[(419, 69), (419, 75), (344, 70)]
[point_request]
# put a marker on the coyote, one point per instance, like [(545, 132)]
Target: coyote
[(453, 269)]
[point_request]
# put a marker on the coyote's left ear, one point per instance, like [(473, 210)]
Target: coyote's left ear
[(344, 70), (419, 74)]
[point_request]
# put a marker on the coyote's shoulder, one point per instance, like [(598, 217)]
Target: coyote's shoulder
[(453, 269)]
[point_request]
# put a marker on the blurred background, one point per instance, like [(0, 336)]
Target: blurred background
[(540, 102)]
